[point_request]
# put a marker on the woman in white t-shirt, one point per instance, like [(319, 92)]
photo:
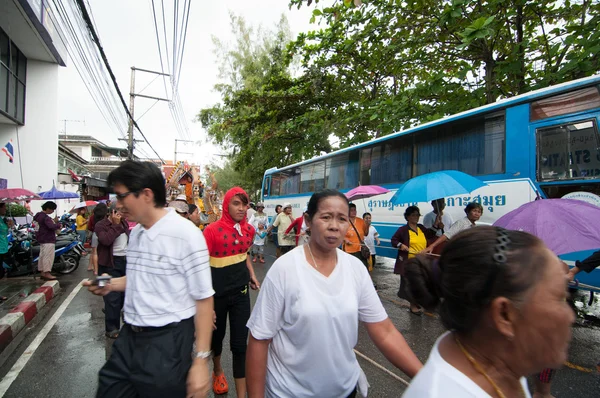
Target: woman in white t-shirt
[(304, 325), (504, 303)]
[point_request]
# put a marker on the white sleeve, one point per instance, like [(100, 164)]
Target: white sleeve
[(375, 233), (454, 229), (196, 266), (370, 309), (428, 221), (267, 315)]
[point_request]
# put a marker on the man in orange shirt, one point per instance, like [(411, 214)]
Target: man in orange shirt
[(352, 241)]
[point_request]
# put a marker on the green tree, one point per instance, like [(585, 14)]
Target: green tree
[(406, 61), (228, 177), (266, 116)]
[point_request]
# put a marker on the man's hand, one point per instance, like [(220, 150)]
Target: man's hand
[(198, 384), (427, 250), (97, 290), (254, 285), (115, 218)]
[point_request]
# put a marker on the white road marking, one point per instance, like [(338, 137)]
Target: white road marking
[(28, 353)]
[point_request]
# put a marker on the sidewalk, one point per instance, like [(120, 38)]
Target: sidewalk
[(25, 298)]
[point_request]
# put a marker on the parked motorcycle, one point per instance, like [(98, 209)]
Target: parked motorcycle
[(23, 254)]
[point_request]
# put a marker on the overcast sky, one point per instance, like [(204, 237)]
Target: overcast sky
[(126, 30)]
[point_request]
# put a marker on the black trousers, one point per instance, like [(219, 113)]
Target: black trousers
[(150, 363), (237, 305), (113, 301)]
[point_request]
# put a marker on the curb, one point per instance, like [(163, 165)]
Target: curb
[(16, 320)]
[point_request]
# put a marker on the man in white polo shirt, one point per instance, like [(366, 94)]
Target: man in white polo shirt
[(168, 296)]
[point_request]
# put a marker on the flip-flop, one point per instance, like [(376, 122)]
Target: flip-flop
[(48, 279), (417, 312)]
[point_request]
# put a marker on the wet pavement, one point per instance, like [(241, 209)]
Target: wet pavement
[(67, 361), (15, 290)]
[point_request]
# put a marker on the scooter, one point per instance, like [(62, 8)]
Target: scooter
[(23, 255)]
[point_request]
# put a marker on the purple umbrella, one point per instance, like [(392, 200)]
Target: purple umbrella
[(565, 225), (365, 191)]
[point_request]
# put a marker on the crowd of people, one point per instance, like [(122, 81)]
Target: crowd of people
[(501, 295)]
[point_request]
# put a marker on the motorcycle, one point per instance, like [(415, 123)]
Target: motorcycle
[(23, 254)]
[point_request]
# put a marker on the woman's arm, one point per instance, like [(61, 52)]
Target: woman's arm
[(397, 238), (393, 346), (256, 366), (437, 242)]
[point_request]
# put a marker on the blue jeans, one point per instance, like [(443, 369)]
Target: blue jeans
[(113, 301)]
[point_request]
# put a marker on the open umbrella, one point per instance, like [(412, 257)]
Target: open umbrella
[(436, 185), (16, 195), (56, 194), (365, 191), (565, 225), (80, 205)]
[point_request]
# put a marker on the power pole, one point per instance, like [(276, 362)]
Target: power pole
[(130, 140), (131, 106), (175, 154)]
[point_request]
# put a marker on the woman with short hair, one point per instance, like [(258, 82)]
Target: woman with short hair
[(502, 296), (410, 239), (473, 212), (304, 325)]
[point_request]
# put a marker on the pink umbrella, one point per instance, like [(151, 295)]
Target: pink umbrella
[(16, 195), (365, 191), (81, 205)]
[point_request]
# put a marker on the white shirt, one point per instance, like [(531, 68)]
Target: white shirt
[(429, 219), (259, 219), (167, 271), (439, 379), (249, 213), (370, 239), (120, 245), (313, 321), (258, 240), (459, 226)]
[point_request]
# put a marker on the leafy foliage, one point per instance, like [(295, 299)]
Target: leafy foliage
[(373, 67)]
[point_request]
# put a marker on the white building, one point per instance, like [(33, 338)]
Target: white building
[(30, 56)]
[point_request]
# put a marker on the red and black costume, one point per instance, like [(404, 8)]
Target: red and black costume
[(228, 245)]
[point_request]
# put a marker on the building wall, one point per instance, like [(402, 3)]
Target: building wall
[(35, 143)]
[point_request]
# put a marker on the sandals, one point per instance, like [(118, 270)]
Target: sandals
[(220, 385), (419, 311)]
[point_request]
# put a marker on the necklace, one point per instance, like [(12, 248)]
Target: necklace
[(480, 370), (313, 257)]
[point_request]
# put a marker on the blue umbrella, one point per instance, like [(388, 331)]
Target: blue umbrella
[(436, 185), (56, 194)]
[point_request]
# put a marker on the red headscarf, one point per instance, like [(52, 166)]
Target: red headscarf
[(222, 238)]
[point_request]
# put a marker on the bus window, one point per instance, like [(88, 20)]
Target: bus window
[(474, 147), (266, 186), (312, 177), (275, 182), (290, 182), (560, 190), (568, 151), (562, 104), (341, 171)]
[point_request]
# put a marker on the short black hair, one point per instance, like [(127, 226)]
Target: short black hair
[(137, 176), (100, 212), (366, 214), (351, 205), (277, 207), (49, 205), (315, 199), (410, 210), (472, 206), (192, 208)]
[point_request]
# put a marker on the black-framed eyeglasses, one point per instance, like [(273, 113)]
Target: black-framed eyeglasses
[(125, 194)]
